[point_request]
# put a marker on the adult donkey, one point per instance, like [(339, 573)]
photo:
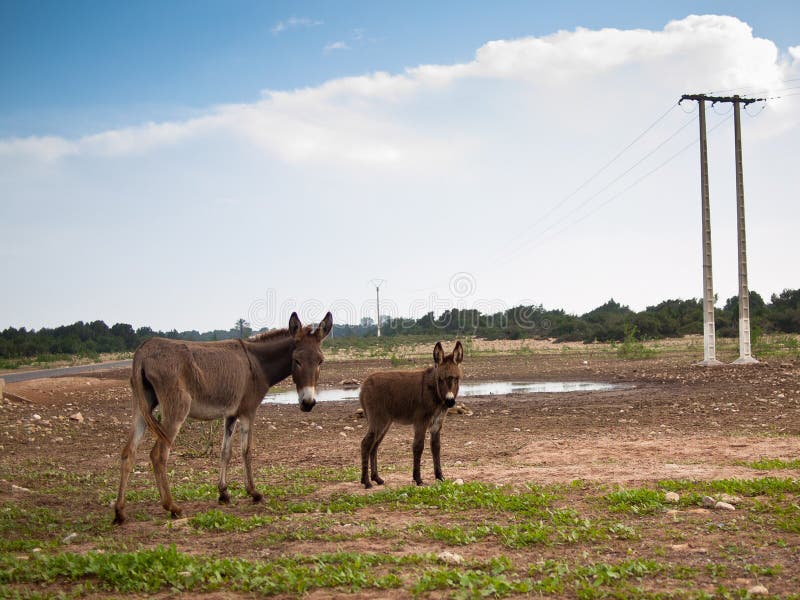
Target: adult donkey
[(210, 380)]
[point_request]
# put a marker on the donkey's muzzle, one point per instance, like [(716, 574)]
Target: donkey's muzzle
[(450, 400), (306, 396)]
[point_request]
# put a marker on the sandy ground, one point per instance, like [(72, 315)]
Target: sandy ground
[(676, 421)]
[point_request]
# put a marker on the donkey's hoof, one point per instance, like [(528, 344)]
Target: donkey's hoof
[(377, 480), (419, 482), (257, 497), (224, 497), (119, 516), (367, 485), (175, 512)]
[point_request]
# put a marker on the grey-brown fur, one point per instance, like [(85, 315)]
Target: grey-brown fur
[(418, 398), (212, 380)]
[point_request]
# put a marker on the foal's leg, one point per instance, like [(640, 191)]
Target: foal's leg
[(225, 459), (436, 447), (418, 447), (373, 455), (128, 458), (436, 444), (173, 417), (247, 439)]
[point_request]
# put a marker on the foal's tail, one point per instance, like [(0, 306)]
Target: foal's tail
[(145, 400)]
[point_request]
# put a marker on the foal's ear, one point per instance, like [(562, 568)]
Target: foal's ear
[(294, 324), (458, 352), (325, 327), (438, 353)]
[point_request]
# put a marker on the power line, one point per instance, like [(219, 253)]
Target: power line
[(629, 187), (591, 178), (512, 253)]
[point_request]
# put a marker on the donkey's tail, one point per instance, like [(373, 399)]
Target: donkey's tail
[(145, 400)]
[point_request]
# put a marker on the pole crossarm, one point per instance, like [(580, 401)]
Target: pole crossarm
[(716, 99)]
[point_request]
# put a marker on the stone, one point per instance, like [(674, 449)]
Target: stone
[(450, 558), (758, 590), (360, 413), (177, 523), (343, 434), (76, 417), (18, 489), (68, 539), (708, 502), (724, 506), (672, 497), (730, 499), (348, 428), (458, 481), (2, 387), (36, 417)]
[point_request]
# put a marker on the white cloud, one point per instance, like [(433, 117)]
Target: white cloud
[(350, 119), (436, 158), (339, 45), (44, 148), (294, 22)]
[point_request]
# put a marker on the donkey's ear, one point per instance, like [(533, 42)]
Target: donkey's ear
[(294, 324), (438, 353), (325, 327), (458, 353)]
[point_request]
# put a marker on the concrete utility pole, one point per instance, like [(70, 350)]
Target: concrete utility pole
[(378, 283), (709, 327), (745, 355)]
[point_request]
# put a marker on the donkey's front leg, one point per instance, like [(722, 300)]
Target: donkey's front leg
[(418, 447), (247, 438), (225, 459)]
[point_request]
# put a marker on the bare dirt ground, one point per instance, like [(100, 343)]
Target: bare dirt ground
[(674, 422)]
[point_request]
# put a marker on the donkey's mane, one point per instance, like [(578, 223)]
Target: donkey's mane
[(269, 335)]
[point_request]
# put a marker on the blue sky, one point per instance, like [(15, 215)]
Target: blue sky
[(71, 66), (181, 164)]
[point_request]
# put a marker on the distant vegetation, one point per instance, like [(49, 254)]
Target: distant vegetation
[(609, 322)]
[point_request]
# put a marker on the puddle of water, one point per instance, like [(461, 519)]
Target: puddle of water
[(486, 388)]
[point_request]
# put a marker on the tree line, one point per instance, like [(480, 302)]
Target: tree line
[(609, 322)]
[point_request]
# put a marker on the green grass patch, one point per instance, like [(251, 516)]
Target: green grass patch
[(216, 520), (773, 487), (454, 535), (593, 580), (166, 569), (771, 464), (640, 501)]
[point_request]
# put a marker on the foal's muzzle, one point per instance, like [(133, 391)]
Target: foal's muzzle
[(450, 400)]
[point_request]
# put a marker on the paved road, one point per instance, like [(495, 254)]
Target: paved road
[(44, 373)]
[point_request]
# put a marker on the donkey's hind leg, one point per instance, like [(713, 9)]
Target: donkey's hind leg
[(225, 458), (128, 458), (373, 455), (367, 444), (247, 456), (171, 423)]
